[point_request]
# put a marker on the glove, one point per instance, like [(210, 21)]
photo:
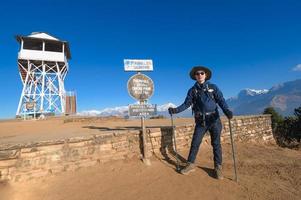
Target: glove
[(229, 114), (172, 110)]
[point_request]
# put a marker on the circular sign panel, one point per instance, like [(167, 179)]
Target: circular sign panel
[(140, 87)]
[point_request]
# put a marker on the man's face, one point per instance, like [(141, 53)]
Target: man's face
[(200, 76)]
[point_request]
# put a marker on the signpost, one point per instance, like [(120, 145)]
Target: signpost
[(141, 88)]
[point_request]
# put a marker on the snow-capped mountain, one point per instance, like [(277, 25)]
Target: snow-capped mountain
[(284, 97), (122, 111), (253, 92), (90, 113), (116, 111), (246, 93), (164, 107)]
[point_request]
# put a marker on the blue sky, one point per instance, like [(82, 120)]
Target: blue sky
[(247, 44)]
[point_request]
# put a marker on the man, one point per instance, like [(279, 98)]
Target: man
[(204, 98)]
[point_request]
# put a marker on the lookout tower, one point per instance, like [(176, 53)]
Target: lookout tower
[(43, 66)]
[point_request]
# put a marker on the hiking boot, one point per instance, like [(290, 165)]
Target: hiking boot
[(218, 172), (190, 167)]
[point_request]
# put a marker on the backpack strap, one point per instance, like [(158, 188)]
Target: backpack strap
[(210, 93), (194, 101)]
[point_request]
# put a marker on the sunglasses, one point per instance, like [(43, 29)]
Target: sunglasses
[(200, 73)]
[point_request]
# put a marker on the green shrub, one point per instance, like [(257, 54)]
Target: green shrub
[(287, 131), (277, 119)]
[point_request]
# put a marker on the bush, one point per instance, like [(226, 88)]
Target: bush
[(298, 115), (277, 119), (287, 131)]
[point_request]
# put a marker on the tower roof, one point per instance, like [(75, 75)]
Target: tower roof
[(45, 37), (42, 35)]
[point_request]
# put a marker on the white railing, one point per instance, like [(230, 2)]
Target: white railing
[(41, 55)]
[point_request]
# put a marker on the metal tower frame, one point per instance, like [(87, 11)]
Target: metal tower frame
[(43, 87)]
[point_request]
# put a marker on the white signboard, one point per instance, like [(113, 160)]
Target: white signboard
[(138, 65), (137, 110)]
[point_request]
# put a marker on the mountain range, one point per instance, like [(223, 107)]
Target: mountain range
[(284, 97), (123, 111)]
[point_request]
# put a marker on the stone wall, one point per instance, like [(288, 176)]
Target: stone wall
[(25, 161), (255, 128)]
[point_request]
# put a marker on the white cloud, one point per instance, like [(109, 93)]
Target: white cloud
[(297, 68)]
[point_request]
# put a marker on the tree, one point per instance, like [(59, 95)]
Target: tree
[(289, 131), (297, 113), (277, 119)]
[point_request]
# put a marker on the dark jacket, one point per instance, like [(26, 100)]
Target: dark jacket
[(204, 98)]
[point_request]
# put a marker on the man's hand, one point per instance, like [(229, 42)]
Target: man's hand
[(172, 110), (229, 114)]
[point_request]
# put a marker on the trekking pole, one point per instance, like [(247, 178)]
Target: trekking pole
[(233, 151), (175, 143)]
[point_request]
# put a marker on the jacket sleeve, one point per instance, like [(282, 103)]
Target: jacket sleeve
[(218, 95), (187, 103)]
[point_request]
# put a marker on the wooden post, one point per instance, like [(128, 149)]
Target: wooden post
[(145, 159)]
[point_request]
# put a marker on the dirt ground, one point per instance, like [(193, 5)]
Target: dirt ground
[(265, 172), (19, 131)]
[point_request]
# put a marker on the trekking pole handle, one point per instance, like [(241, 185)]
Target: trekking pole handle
[(172, 123)]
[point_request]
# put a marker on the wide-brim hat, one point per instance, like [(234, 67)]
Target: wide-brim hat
[(200, 68)]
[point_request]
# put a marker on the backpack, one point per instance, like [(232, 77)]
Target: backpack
[(195, 94)]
